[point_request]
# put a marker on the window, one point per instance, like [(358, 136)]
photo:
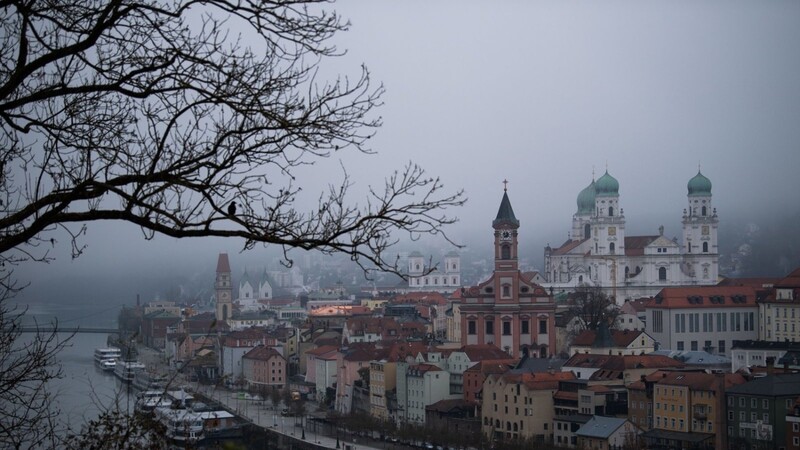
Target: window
[(694, 346), (471, 327), (505, 252), (542, 326), (506, 328), (662, 273), (489, 327), (705, 247), (765, 404), (680, 346), (611, 248), (525, 325), (506, 289), (721, 347)]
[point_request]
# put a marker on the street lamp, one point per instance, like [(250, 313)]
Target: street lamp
[(303, 428)]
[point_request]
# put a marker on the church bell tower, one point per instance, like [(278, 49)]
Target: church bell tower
[(223, 288)]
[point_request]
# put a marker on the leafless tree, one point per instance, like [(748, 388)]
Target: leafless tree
[(191, 118), (187, 118), (593, 307), (28, 413)]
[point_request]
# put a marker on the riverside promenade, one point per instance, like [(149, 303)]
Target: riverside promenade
[(262, 413)]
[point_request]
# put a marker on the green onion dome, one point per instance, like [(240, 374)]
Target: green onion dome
[(699, 185), (607, 186), (586, 199)]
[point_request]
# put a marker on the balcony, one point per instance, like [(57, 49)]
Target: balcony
[(700, 412)]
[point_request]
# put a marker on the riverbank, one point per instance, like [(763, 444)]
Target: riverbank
[(263, 416)]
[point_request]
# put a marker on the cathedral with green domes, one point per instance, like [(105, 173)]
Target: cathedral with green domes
[(599, 253)]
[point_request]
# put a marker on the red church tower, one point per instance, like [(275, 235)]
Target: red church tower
[(508, 310)]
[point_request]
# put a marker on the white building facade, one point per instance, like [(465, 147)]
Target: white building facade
[(600, 253), (702, 318)]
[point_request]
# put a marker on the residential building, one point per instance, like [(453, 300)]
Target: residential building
[(612, 342), (520, 405), (607, 433), (426, 384), (234, 346), (264, 367), (507, 311), (625, 369), (793, 427), (751, 353), (706, 318), (598, 251), (476, 375), (779, 311), (688, 409), (757, 411), (453, 318)]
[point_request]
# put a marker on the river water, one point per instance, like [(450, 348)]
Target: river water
[(84, 390)]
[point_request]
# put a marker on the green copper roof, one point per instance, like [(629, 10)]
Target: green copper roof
[(607, 186), (699, 185), (586, 199), (505, 215)]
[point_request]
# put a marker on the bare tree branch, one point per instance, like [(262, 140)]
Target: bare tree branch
[(156, 113)]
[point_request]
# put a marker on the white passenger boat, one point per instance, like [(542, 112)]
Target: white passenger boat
[(105, 358), (126, 370)]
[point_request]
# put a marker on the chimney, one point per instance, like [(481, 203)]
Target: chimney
[(770, 365)]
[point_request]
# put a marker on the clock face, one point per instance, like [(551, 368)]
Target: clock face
[(505, 235)]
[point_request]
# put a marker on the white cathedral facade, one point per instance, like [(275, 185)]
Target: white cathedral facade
[(599, 253), (251, 289), (439, 279)]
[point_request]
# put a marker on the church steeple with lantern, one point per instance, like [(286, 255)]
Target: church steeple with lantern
[(505, 227)]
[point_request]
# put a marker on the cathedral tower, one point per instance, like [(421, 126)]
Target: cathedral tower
[(223, 288), (700, 225), (608, 225)]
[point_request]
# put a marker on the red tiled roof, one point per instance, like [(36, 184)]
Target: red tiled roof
[(420, 297), (621, 338), (538, 380), (565, 395), (703, 297), (262, 353), (322, 350), (700, 381), (481, 352), (757, 283), (339, 310), (566, 247), (423, 368), (791, 281), (487, 366), (635, 245), (222, 263)]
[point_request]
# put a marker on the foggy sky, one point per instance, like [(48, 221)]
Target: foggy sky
[(542, 94)]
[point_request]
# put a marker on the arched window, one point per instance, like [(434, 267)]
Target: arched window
[(516, 427), (224, 312), (611, 248), (662, 273), (587, 231), (580, 278), (497, 423), (705, 247), (506, 290), (610, 211), (505, 252), (703, 211)]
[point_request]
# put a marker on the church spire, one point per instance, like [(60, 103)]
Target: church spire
[(505, 215)]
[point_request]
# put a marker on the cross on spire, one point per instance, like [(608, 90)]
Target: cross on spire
[(505, 185)]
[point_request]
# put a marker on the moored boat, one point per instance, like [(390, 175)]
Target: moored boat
[(126, 370), (104, 357)]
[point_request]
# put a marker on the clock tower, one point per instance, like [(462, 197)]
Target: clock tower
[(505, 227), (508, 310), (223, 288)]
